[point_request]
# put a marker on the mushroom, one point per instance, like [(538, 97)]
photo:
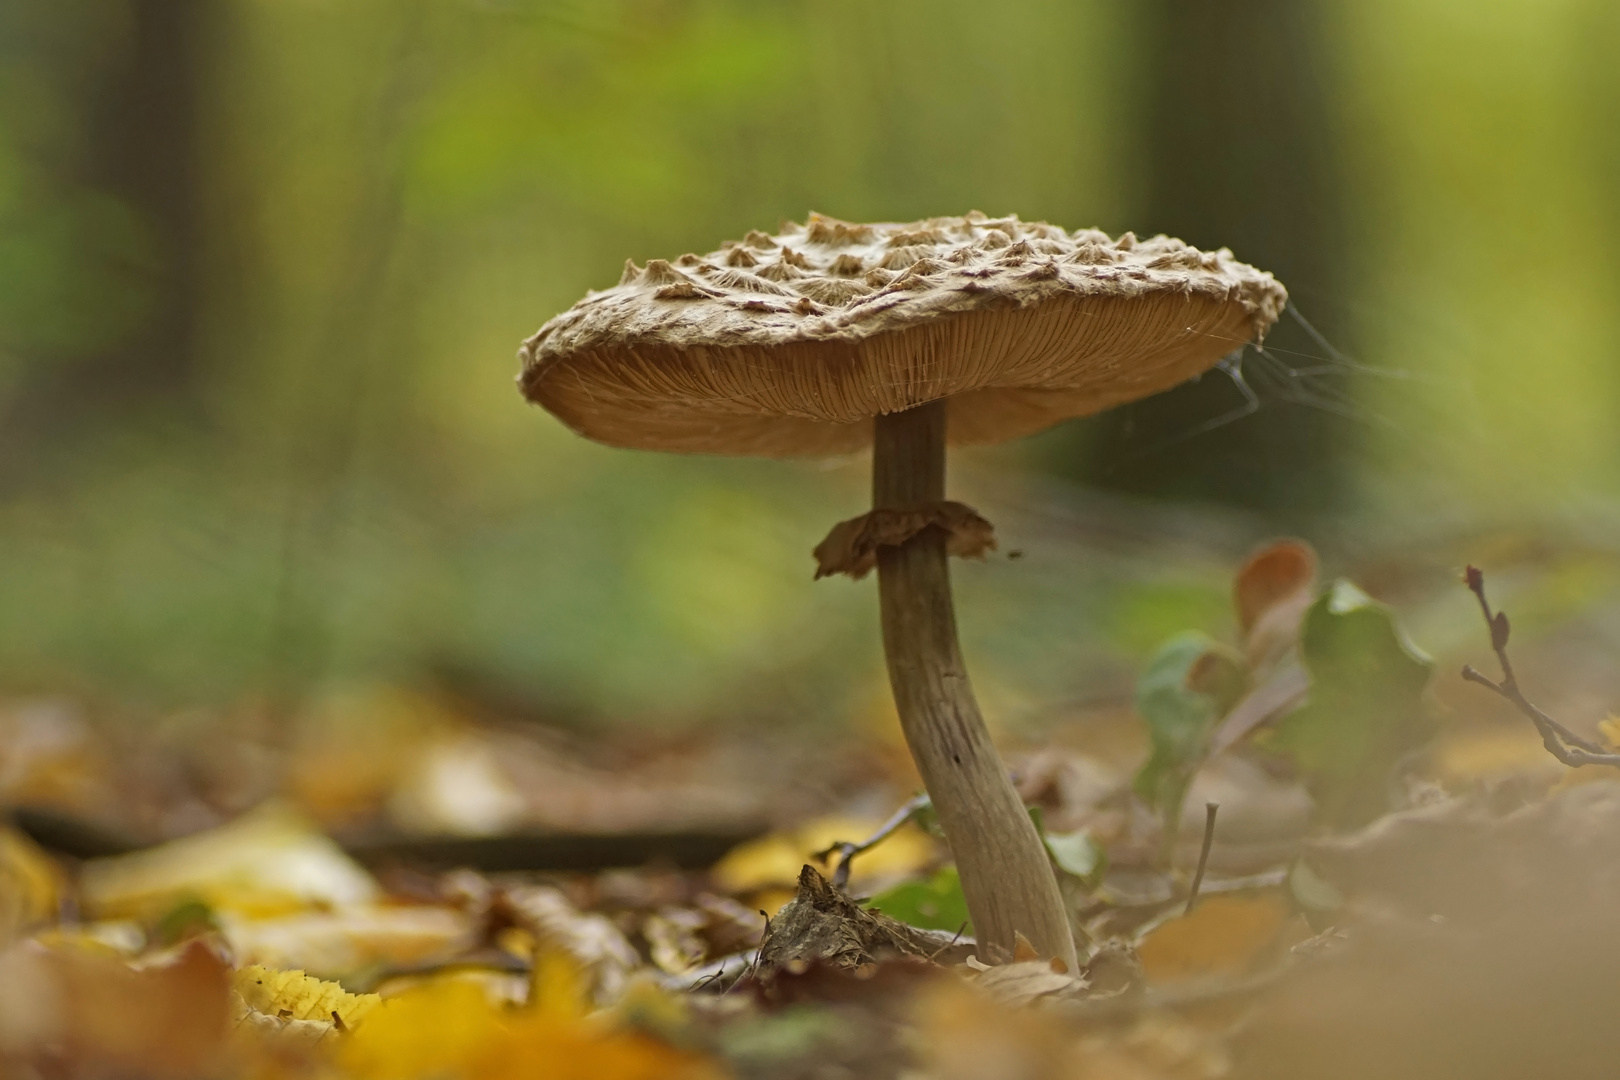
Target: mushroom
[(829, 337)]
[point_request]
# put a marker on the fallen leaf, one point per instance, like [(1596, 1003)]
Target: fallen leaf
[(444, 1030), (964, 1034), (591, 941), (825, 925), (300, 996), (269, 861), (773, 861), (332, 944), (1025, 981), (50, 757), (32, 886), (674, 939), (167, 1017), (498, 985), (1224, 937), (275, 1035)]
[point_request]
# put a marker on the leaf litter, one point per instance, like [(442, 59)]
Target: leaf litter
[(1370, 907)]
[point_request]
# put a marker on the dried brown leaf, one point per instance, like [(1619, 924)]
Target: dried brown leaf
[(822, 924), (589, 940), (1026, 981), (105, 1017)]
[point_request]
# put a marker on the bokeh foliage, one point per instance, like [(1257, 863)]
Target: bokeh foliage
[(264, 437)]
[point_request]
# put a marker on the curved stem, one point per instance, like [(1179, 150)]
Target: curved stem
[(1006, 876)]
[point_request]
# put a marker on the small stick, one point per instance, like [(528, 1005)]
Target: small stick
[(1560, 742), (847, 851), (960, 930), (754, 964), (1203, 855)]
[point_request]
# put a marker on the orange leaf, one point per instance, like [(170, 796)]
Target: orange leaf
[(1272, 574), (1224, 936), (1271, 593)]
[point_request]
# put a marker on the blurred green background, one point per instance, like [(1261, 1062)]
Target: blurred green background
[(264, 265)]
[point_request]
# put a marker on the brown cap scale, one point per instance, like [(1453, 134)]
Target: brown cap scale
[(830, 337)]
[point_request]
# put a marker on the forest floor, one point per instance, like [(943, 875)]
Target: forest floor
[(1399, 880)]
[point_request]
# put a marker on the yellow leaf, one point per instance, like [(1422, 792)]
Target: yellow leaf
[(268, 861), (31, 885), (446, 1030), (437, 1029), (301, 996), (1467, 754), (498, 987), (1224, 936), (774, 861), (557, 987), (1609, 728)]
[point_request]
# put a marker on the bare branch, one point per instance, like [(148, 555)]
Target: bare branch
[(847, 851), (1560, 742)]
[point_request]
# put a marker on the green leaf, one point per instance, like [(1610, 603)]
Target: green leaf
[(184, 920), (1078, 855), (1179, 717), (933, 904), (1037, 817), (1365, 708)]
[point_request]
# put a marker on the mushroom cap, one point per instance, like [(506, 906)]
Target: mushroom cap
[(790, 344)]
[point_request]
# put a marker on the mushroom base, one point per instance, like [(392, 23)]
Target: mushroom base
[(1007, 878)]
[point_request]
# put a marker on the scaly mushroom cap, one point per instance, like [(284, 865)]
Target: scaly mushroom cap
[(788, 345)]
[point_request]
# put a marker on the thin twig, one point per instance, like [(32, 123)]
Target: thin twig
[(758, 956), (1203, 855), (847, 851), (960, 930), (1560, 742)]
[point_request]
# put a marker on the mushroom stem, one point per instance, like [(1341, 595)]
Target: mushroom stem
[(1007, 879)]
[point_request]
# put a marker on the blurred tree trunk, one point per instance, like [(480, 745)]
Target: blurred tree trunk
[(146, 138), (141, 123), (1238, 123)]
